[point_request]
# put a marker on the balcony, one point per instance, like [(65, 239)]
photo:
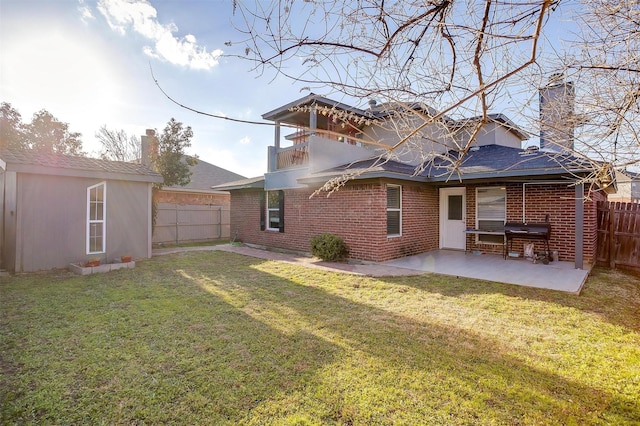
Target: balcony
[(310, 153)]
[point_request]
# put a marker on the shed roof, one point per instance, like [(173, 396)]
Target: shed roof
[(35, 162)]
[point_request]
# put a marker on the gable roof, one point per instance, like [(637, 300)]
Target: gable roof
[(204, 176), (28, 161)]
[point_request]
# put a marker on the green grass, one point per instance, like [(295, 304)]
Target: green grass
[(219, 338)]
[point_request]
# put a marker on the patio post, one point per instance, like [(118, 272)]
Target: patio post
[(579, 234)]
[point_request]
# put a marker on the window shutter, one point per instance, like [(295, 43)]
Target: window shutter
[(263, 211), (281, 210)]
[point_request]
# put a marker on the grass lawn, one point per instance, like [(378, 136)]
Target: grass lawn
[(219, 338)]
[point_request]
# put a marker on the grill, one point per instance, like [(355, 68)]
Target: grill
[(526, 231)]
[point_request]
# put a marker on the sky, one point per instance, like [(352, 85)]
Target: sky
[(89, 62)]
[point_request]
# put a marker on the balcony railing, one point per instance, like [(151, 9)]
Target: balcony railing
[(292, 156)]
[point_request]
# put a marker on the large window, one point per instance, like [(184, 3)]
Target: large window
[(394, 210), (96, 218), (491, 212), (274, 211)]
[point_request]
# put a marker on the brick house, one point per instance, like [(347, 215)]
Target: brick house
[(390, 207)]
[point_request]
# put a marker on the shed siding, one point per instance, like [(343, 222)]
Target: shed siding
[(52, 214)]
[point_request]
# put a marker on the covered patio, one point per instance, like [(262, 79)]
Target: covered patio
[(560, 276)]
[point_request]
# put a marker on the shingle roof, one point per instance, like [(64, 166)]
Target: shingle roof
[(59, 164), (250, 183), (503, 161), (490, 161), (205, 175)]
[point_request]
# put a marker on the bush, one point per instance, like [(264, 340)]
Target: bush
[(329, 247)]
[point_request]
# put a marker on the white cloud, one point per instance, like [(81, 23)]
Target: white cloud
[(85, 12), (142, 17), (245, 141)]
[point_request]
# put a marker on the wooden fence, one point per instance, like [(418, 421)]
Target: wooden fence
[(177, 223), (619, 235)]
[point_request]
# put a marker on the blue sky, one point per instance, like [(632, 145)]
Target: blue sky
[(88, 63)]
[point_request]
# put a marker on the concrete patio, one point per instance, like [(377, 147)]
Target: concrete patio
[(560, 276)]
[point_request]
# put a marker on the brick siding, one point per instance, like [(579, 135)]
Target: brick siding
[(357, 213), (556, 200), (192, 198)]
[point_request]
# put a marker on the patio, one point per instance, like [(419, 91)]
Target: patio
[(561, 276)]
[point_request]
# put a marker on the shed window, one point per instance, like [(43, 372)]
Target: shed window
[(96, 218), (394, 210), (491, 213)]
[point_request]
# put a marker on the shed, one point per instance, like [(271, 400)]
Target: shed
[(59, 209)]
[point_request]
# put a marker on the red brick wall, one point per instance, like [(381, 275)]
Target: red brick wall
[(192, 198), (357, 213), (556, 200)]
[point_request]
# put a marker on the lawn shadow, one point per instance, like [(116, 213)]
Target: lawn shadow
[(464, 372), (149, 346)]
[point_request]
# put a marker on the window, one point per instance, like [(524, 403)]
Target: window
[(96, 215), (272, 212), (491, 212), (394, 210)]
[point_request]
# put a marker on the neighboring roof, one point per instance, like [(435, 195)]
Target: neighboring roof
[(250, 183), (28, 161), (487, 162), (204, 176)]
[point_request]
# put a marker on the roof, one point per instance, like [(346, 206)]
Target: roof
[(28, 161), (500, 119), (486, 162), (310, 99), (250, 183), (204, 176)]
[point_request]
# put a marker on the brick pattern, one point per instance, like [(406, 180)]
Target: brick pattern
[(193, 198), (356, 213), (556, 200)]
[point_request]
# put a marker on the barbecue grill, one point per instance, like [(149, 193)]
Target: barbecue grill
[(526, 231)]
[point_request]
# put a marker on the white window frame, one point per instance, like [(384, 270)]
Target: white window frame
[(272, 209), (93, 221), (395, 209), (481, 237)]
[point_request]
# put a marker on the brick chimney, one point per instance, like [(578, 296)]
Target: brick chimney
[(149, 145), (557, 117)]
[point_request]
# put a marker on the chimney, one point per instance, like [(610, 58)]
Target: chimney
[(149, 144), (557, 118)]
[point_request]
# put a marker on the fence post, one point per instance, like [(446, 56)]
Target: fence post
[(177, 226), (612, 233)]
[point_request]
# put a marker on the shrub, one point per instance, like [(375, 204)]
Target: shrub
[(329, 247)]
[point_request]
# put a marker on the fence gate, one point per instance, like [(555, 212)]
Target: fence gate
[(619, 235), (176, 223)]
